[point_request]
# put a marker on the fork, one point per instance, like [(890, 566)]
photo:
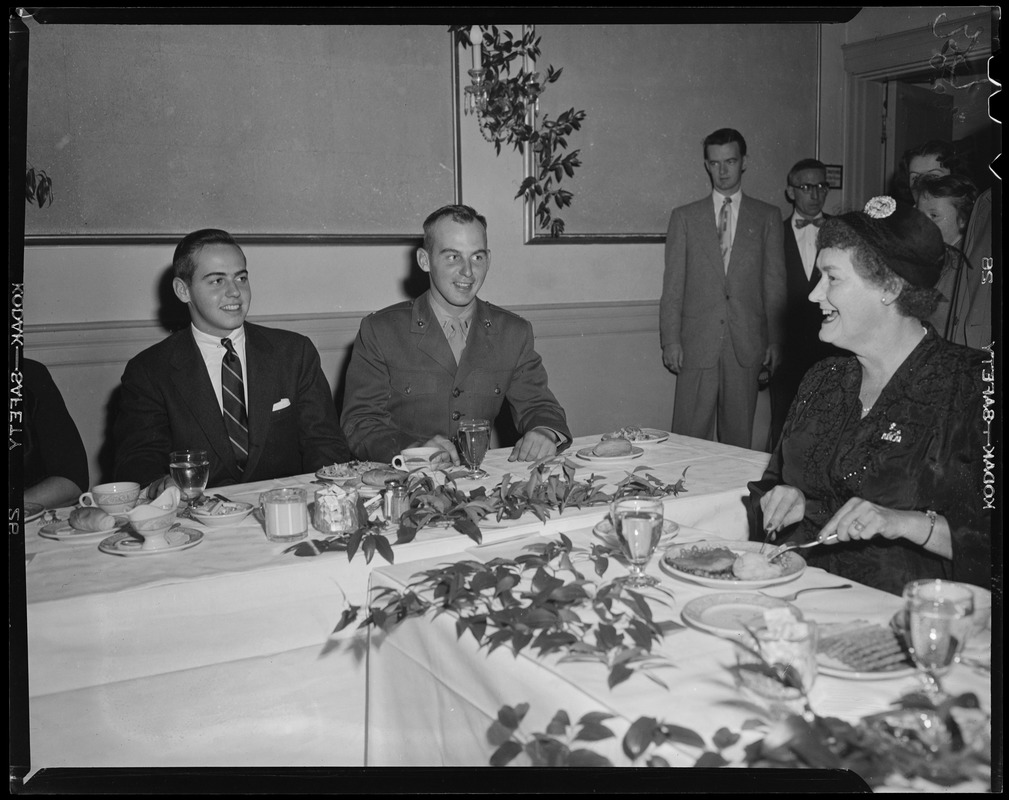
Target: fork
[(780, 550), (790, 597)]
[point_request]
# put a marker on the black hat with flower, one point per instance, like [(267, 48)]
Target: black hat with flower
[(908, 241)]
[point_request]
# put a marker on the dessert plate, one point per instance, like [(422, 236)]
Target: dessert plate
[(125, 544), (604, 530), (794, 566), (64, 532), (835, 669), (731, 613), (33, 511), (587, 454)]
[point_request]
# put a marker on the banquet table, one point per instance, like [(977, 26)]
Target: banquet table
[(433, 693), (224, 654)]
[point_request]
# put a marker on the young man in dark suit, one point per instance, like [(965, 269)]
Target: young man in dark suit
[(421, 366), (254, 398), (807, 190), (723, 294)]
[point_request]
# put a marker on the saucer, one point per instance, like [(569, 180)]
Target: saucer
[(126, 544), (62, 530)]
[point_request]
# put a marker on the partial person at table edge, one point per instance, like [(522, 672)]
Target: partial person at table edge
[(55, 461), (421, 366), (254, 398), (884, 448)]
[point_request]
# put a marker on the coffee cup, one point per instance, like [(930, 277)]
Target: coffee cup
[(112, 498), (416, 458)]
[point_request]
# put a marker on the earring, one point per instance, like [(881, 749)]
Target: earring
[(884, 302)]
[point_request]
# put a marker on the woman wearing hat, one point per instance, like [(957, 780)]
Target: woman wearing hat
[(885, 448)]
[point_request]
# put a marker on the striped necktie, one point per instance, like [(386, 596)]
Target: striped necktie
[(725, 231), (233, 396)]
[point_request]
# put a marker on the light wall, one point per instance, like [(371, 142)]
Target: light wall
[(106, 298)]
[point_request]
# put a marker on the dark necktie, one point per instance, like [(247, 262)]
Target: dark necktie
[(802, 222), (725, 231), (233, 395)]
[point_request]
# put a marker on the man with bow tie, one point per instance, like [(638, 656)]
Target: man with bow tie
[(806, 190)]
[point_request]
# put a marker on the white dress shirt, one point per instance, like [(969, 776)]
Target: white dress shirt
[(805, 238), (213, 353)]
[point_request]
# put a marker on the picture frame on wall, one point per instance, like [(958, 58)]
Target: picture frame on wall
[(835, 175)]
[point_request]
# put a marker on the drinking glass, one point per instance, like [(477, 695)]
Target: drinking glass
[(637, 523), (285, 514), (472, 439), (190, 469), (939, 618)]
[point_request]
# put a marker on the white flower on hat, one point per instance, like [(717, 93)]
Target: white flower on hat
[(880, 207)]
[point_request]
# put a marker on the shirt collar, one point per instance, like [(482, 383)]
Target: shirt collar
[(237, 336), (442, 314)]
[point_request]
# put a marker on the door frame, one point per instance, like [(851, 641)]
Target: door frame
[(868, 64)]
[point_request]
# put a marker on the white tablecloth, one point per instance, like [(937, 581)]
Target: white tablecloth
[(192, 658), (433, 696)]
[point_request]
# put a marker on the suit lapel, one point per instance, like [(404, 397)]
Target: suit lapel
[(193, 383), (746, 231), (263, 390), (430, 339), (706, 220)]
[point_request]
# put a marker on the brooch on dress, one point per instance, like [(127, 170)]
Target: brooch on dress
[(892, 435)]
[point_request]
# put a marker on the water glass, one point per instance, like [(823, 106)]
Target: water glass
[(285, 514), (472, 438), (939, 619), (790, 651), (190, 469), (637, 523)]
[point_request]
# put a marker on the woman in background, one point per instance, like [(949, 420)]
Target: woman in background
[(884, 448), (55, 464), (948, 201), (935, 157)]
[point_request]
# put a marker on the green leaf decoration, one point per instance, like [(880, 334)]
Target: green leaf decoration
[(505, 754)]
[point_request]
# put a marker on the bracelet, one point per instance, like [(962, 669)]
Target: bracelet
[(931, 527)]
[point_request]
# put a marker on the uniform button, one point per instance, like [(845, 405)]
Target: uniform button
[(456, 415), (497, 390), (456, 391)]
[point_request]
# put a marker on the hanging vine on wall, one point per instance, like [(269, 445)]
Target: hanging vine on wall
[(38, 186), (505, 105)]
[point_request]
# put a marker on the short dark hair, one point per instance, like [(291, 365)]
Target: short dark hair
[(945, 153), (183, 262), (806, 163), (958, 188), (918, 302), (725, 136), (457, 213)]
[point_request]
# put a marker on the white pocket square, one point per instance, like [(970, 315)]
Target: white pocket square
[(281, 404)]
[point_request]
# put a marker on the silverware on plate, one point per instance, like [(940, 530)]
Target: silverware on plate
[(784, 548), (790, 597)]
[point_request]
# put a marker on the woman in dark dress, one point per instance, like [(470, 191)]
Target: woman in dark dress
[(55, 464), (884, 449)]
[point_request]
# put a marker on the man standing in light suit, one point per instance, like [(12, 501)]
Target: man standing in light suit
[(723, 298)]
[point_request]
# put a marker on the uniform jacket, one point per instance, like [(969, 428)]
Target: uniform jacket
[(168, 403), (700, 298), (403, 384)]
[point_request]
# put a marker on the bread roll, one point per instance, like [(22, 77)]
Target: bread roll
[(378, 477), (613, 447), (91, 519)]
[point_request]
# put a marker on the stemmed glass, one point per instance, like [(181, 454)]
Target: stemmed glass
[(637, 522), (939, 621), (190, 469), (472, 439)]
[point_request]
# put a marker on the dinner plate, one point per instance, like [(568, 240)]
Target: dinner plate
[(357, 468), (587, 454), (236, 512), (835, 669), (732, 612), (64, 532), (33, 511), (126, 544), (653, 436), (604, 530), (794, 565)]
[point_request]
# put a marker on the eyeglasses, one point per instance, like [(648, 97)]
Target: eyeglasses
[(809, 188)]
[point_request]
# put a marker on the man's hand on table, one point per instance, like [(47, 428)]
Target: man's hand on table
[(538, 443), (449, 454)]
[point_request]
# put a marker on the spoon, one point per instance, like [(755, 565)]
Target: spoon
[(784, 548), (789, 597)]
